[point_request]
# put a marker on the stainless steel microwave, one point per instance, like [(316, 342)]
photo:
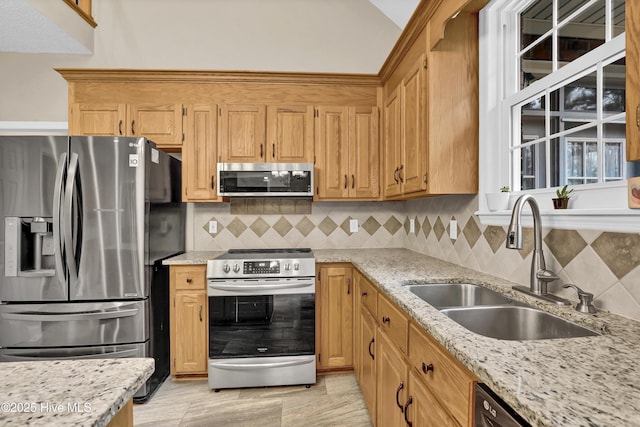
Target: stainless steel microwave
[(265, 179)]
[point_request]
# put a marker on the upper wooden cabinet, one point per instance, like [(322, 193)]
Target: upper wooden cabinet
[(161, 123), (199, 152), (632, 27), (290, 134), (347, 153), (260, 133)]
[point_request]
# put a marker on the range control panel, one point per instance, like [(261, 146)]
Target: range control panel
[(261, 267)]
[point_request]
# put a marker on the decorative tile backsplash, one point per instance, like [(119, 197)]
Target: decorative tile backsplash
[(606, 264)]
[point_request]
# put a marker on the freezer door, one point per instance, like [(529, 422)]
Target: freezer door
[(32, 172), (105, 195), (73, 324)]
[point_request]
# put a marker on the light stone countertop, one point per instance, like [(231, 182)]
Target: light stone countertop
[(587, 381), (69, 392), (192, 258)]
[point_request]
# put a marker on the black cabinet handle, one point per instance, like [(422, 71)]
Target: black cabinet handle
[(213, 182), (395, 176), (261, 151), (426, 368), (353, 181), (133, 127), (346, 181), (386, 320), (364, 294), (400, 173), (120, 127), (348, 286), (400, 387), (370, 352), (189, 280), (406, 410), (201, 313), (273, 150)]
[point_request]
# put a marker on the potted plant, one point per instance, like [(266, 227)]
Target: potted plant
[(562, 199), (498, 201)]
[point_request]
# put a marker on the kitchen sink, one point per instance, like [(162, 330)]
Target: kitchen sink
[(442, 295), (515, 323)]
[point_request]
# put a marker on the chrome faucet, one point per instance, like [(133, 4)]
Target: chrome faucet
[(540, 276)]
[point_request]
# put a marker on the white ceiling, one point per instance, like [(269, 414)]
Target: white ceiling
[(48, 26), (399, 11)]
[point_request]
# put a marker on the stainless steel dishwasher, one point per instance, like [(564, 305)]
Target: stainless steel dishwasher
[(491, 411)]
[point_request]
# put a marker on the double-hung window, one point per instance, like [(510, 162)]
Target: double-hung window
[(552, 110)]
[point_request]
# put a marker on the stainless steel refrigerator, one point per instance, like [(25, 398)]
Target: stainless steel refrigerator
[(86, 224)]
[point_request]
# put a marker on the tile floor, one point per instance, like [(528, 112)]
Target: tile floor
[(334, 401)]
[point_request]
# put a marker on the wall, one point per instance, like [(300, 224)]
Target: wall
[(606, 264), (343, 36)]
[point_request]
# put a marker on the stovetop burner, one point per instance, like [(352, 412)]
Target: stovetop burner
[(270, 251)]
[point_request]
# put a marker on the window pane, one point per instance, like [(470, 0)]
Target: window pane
[(612, 162), (535, 63), (535, 21), (613, 94), (582, 34), (575, 160), (580, 95), (618, 17), (532, 120), (532, 167), (555, 164), (591, 160)]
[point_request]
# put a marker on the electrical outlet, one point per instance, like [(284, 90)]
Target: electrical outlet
[(412, 225), (353, 225), (213, 227), (453, 229)]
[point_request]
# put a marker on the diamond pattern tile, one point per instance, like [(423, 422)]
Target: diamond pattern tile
[(259, 227), (620, 252), (406, 225), (345, 226), (495, 236), (417, 225), (305, 226), (371, 225), (564, 245), (327, 226), (471, 231), (438, 228), (426, 227), (392, 225), (282, 226), (236, 227)]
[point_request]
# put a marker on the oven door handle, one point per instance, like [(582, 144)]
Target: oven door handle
[(262, 287), (241, 366)]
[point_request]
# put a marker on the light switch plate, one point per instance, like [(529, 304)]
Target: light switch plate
[(213, 227), (453, 229), (412, 225), (353, 225)]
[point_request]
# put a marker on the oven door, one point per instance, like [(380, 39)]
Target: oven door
[(261, 318)]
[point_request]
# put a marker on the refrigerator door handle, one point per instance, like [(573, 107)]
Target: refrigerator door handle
[(68, 218), (58, 194), (115, 354), (65, 317)]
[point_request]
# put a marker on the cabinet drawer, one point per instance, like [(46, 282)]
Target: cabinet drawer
[(393, 322), (191, 277), (369, 296), (444, 376)]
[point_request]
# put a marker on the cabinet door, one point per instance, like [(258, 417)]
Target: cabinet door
[(632, 26), (290, 134), (392, 383), (190, 314), (363, 153), (423, 409), (391, 163), (242, 135), (332, 153), (161, 123), (414, 153), (336, 318), (368, 348), (98, 119), (199, 153)]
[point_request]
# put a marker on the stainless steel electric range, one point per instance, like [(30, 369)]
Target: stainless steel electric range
[(261, 318)]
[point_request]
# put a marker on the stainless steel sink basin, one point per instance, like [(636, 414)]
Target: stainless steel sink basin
[(515, 323), (442, 295)]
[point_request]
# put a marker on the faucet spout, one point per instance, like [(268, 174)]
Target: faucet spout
[(540, 276)]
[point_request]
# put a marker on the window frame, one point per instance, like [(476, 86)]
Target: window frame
[(601, 206)]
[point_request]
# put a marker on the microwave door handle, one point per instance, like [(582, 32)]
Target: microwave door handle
[(58, 194), (68, 226)]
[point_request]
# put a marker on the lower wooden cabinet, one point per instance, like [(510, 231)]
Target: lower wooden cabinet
[(334, 317), (188, 326), (422, 409), (366, 352), (392, 382)]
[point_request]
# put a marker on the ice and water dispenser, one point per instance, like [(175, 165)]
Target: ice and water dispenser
[(29, 247)]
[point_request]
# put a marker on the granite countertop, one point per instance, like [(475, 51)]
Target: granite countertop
[(588, 381), (69, 392), (192, 258)]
